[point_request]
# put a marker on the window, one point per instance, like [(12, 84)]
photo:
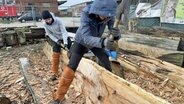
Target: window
[(10, 1), (1, 2)]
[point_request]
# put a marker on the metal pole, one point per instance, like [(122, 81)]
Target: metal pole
[(33, 15)]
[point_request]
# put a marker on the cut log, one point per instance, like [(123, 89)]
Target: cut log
[(159, 42), (10, 38), (154, 67), (21, 35), (30, 35), (161, 48), (102, 87)]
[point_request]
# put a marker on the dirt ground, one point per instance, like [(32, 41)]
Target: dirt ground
[(13, 86), (157, 87), (12, 81)]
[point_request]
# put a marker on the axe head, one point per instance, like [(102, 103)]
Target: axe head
[(112, 54)]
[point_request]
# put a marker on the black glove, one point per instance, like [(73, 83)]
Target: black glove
[(59, 42), (115, 34), (109, 44)]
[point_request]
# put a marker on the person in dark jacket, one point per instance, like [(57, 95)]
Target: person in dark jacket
[(56, 35), (94, 19)]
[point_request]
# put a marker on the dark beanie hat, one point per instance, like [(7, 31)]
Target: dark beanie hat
[(46, 14)]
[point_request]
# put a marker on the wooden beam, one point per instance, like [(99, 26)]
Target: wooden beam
[(102, 87)]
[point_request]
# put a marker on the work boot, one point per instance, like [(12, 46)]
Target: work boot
[(55, 65), (64, 83)]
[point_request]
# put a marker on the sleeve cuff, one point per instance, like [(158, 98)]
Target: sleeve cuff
[(102, 42)]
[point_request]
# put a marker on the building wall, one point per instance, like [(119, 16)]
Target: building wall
[(39, 5), (77, 9)]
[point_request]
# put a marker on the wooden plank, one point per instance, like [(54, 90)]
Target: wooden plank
[(134, 46), (102, 87)]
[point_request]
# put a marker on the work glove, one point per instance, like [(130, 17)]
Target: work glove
[(59, 42), (109, 44), (64, 46), (115, 34)]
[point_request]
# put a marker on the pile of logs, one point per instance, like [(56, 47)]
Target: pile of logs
[(15, 36)]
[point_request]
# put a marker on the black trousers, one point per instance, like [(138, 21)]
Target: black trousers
[(77, 51)]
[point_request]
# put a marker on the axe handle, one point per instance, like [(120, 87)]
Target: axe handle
[(116, 23)]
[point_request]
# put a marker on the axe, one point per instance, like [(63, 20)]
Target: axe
[(113, 53)]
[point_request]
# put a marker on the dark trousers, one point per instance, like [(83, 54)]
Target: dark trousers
[(77, 51)]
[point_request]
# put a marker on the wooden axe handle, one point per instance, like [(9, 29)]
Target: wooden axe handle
[(116, 23)]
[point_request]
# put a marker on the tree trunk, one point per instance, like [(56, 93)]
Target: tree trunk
[(161, 48)]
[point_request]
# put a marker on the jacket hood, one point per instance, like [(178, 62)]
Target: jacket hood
[(103, 8)]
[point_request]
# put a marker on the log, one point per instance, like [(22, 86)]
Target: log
[(21, 37), (10, 38), (162, 32), (154, 67), (161, 48), (159, 42), (30, 35), (37, 30), (102, 87)]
